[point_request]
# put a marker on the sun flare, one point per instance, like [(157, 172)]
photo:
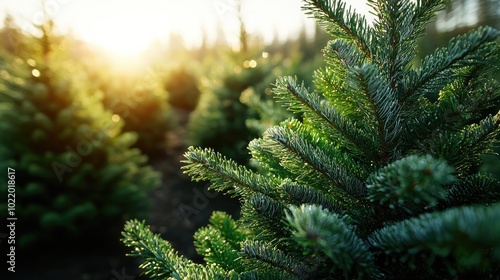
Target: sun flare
[(124, 34), (127, 29)]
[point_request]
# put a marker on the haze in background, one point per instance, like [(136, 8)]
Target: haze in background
[(130, 25)]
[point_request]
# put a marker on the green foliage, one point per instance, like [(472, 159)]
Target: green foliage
[(321, 232), (453, 20), (218, 121), (182, 88), (269, 113), (12, 40), (465, 237), (162, 261), (237, 105), (141, 101), (377, 180), (391, 184), (304, 57), (76, 173), (220, 242)]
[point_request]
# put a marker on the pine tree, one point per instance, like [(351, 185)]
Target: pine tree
[(218, 121), (182, 87), (76, 173), (11, 39), (140, 100), (304, 56), (376, 181)]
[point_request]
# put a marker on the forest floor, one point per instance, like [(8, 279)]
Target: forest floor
[(178, 208), (181, 206)]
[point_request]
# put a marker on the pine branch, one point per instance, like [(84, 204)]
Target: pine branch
[(160, 258), (292, 163), (277, 259), (220, 242), (341, 22), (225, 174), (295, 141), (304, 195), (409, 183), (392, 26), (269, 160), (460, 103), (384, 110), (474, 189), (322, 232), (343, 52), (423, 13), (215, 250), (267, 274), (298, 99), (468, 234), (463, 149), (266, 215), (333, 82), (228, 228), (436, 70), (399, 24)]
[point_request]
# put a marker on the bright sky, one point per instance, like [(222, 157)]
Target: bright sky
[(132, 24)]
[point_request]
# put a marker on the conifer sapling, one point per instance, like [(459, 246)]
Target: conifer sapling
[(376, 181)]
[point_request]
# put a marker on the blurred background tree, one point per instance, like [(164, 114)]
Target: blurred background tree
[(182, 87), (460, 16), (77, 175), (11, 38), (219, 119), (237, 105), (140, 99)]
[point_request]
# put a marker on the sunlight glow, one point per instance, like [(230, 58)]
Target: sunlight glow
[(250, 63), (122, 34), (35, 73), (125, 28), (115, 118), (129, 28)]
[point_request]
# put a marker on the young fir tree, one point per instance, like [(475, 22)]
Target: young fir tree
[(218, 121), (76, 173), (305, 56), (182, 87), (139, 99), (376, 181)]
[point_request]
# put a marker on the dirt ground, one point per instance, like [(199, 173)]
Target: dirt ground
[(181, 206)]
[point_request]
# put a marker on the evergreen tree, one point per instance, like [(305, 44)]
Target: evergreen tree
[(305, 57), (182, 88), (218, 121), (76, 174), (11, 37), (138, 98), (376, 181)]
